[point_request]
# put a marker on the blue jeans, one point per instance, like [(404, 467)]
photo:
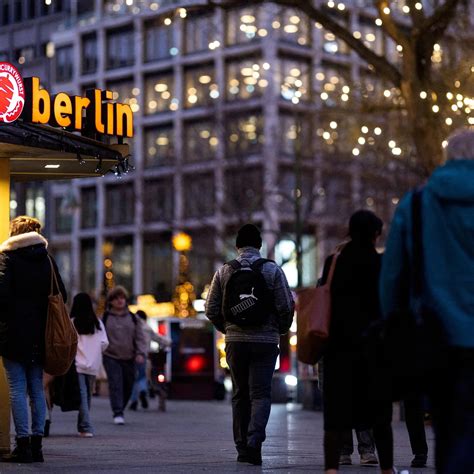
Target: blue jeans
[(26, 379), (121, 375), (140, 384), (86, 383)]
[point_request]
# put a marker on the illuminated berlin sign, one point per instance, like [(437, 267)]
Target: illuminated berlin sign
[(92, 114)]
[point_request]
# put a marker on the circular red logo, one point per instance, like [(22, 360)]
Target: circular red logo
[(12, 93)]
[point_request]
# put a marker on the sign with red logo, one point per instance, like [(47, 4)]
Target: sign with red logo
[(12, 93)]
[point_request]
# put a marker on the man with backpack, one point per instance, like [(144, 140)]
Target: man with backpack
[(250, 302), (127, 346)]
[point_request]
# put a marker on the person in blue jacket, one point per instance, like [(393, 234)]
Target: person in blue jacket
[(447, 216)]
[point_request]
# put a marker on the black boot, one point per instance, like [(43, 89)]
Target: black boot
[(37, 448), (21, 453), (143, 400), (254, 455), (47, 427)]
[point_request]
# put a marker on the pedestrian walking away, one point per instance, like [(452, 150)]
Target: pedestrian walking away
[(250, 302), (127, 346), (444, 287), (348, 396), (25, 284), (91, 344), (365, 447)]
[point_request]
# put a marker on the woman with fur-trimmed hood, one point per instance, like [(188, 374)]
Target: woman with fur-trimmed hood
[(25, 283)]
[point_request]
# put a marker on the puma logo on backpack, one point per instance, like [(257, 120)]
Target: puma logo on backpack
[(246, 296)]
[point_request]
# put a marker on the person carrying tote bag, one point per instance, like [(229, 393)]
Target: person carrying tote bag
[(25, 276)]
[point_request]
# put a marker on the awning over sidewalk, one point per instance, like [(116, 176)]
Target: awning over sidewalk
[(38, 152)]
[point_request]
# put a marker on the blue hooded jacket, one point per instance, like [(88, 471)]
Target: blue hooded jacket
[(448, 251)]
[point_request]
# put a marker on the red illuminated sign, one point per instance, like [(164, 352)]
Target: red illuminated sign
[(12, 93)]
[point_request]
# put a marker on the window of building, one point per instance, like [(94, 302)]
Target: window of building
[(35, 205), (122, 261), (26, 54), (159, 146), (159, 93), (333, 85), (244, 25), (244, 135), (31, 10), (201, 259), (199, 195), (243, 192), (63, 260), (295, 85), (337, 133), (87, 263), (199, 33), (64, 63), (295, 136), (89, 53), (371, 36), (120, 48), (200, 140), (62, 215), (159, 198), (200, 88), (18, 11), (292, 26), (159, 42), (6, 13), (88, 207), (158, 266), (334, 45), (290, 185), (125, 92), (246, 78), (120, 204)]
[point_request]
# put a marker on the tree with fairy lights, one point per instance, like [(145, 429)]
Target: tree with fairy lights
[(430, 80)]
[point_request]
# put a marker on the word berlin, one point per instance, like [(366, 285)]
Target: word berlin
[(90, 114)]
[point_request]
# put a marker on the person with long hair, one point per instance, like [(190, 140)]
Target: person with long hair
[(92, 342), (25, 284), (348, 378)]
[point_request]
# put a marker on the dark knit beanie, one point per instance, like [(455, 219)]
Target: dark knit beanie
[(248, 236)]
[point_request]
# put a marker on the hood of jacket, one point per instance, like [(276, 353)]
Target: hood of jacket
[(454, 181), (30, 245)]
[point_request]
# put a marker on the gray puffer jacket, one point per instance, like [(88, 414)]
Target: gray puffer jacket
[(278, 323)]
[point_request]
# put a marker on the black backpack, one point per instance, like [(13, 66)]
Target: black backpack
[(246, 300)]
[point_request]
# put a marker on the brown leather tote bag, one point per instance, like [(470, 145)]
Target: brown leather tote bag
[(313, 306), (60, 335)]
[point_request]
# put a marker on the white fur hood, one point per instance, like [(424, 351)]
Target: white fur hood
[(23, 240)]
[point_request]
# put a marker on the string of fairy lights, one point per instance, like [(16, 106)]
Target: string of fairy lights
[(332, 86)]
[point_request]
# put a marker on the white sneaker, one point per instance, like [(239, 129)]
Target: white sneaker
[(118, 420)]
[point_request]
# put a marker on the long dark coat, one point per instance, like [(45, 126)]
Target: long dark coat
[(25, 279), (355, 304)]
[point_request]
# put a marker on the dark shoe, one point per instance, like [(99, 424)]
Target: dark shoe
[(22, 452), (47, 426), (133, 406), (143, 400), (243, 458), (254, 456), (37, 448), (368, 459), (419, 460), (345, 460)]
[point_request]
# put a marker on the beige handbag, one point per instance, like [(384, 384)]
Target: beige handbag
[(60, 335)]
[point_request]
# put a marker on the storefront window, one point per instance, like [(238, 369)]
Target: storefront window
[(160, 200), (159, 146), (159, 94), (200, 140), (246, 78), (244, 135), (200, 88)]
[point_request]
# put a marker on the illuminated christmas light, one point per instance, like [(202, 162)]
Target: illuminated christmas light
[(386, 10), (378, 22), (435, 109), (355, 151), (423, 95)]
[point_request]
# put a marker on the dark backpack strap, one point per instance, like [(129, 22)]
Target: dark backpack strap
[(417, 236), (258, 264), (104, 318), (235, 264)]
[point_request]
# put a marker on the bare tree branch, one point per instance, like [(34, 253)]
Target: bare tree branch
[(438, 22), (389, 25)]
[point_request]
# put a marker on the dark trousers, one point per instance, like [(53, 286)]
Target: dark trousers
[(365, 442), (452, 402), (121, 377), (415, 420), (251, 368)]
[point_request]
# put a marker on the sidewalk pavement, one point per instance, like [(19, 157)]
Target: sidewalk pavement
[(193, 437)]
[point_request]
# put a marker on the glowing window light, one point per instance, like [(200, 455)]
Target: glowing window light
[(346, 89), (262, 32), (276, 25), (435, 109), (406, 9), (423, 95), (361, 140), (290, 29), (333, 125), (341, 7), (377, 131), (397, 151), (387, 93), (294, 19), (266, 66), (183, 13), (392, 144), (370, 37), (320, 76), (357, 34), (331, 4), (378, 22), (161, 87), (326, 135), (355, 151), (454, 108), (247, 19), (386, 10), (324, 96), (344, 97), (419, 6), (449, 121), (167, 21), (365, 129), (205, 79)]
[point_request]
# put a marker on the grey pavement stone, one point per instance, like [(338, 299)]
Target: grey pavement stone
[(193, 437)]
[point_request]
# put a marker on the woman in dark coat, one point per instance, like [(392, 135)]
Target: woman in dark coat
[(347, 377), (25, 283)]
